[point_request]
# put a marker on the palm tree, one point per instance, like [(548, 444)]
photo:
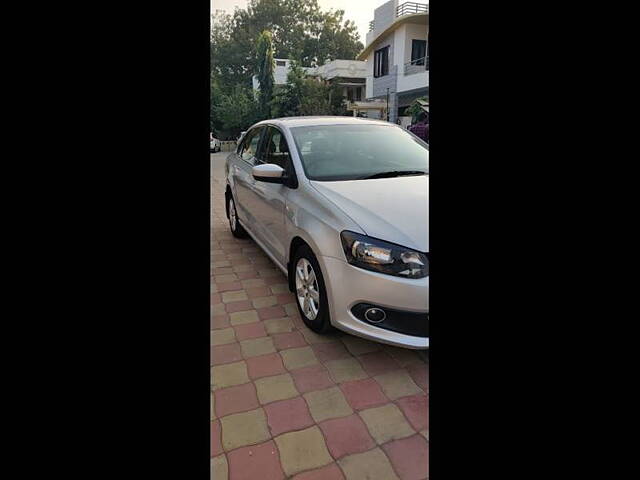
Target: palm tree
[(264, 68)]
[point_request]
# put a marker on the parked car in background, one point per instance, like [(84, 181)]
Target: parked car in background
[(340, 204), (214, 144)]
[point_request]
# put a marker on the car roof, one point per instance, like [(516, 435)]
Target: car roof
[(322, 120)]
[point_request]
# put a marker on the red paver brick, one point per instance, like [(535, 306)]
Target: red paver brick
[(288, 415), (240, 398), (312, 378), (330, 472), (416, 409), (330, 351), (247, 275), (240, 261), (257, 292), (285, 298), (219, 321), (346, 435), (265, 366), (255, 462), (240, 306), (271, 280), (363, 394), (229, 286), (409, 457), (297, 321), (228, 353), (377, 362), (420, 375), (283, 341), (250, 330), (222, 271), (271, 312), (264, 268), (216, 298), (216, 442)]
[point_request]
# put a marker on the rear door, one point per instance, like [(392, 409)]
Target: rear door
[(243, 178)]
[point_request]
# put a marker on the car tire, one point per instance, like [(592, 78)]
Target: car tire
[(236, 229), (304, 259)]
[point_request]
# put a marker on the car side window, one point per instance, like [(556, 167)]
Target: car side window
[(276, 149), (249, 147)]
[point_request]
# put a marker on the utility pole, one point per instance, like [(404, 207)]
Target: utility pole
[(387, 104)]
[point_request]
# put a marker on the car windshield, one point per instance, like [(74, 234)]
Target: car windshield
[(358, 152)]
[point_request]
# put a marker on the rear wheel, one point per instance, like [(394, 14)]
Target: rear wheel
[(310, 292), (236, 228)]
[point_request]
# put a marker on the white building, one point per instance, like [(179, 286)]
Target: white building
[(348, 74), (396, 56)]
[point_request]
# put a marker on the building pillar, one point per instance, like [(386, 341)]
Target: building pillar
[(393, 107)]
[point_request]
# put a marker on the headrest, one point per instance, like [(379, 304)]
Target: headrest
[(283, 145)]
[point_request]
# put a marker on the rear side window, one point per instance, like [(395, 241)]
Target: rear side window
[(249, 147)]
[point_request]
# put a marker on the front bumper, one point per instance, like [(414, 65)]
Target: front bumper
[(348, 286)]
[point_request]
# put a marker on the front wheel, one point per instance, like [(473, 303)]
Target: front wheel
[(236, 229), (311, 293)]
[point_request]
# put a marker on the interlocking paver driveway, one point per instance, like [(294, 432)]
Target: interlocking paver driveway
[(290, 404)]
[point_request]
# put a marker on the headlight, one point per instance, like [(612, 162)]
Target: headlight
[(380, 256)]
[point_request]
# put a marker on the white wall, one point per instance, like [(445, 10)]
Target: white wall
[(416, 80), (400, 45), (413, 31), (340, 68), (383, 16), (280, 73), (369, 78), (410, 82)]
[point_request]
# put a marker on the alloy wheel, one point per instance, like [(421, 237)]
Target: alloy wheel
[(232, 214), (307, 289)]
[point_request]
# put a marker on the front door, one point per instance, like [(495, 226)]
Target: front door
[(268, 200)]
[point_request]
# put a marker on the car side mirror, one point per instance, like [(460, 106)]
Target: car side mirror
[(269, 173)]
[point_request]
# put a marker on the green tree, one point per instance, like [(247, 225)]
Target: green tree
[(305, 95), (300, 30), (264, 69), (287, 98), (415, 109), (233, 112)]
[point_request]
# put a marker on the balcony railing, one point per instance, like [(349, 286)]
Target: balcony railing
[(408, 8), (372, 25), (416, 66)]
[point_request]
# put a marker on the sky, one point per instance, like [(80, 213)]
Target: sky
[(359, 11)]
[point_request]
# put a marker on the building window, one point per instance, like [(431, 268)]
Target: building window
[(418, 51), (381, 62), (280, 63)]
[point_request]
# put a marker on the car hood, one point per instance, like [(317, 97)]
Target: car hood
[(391, 209)]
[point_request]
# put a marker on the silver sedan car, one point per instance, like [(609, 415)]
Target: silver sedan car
[(340, 205)]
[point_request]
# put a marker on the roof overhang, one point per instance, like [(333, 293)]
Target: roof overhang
[(417, 18)]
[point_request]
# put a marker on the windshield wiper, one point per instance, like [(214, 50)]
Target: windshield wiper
[(395, 173)]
